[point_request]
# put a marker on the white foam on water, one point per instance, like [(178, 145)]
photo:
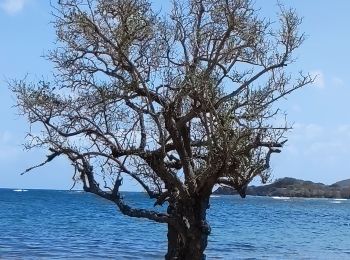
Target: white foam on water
[(335, 201), (280, 198), (20, 190)]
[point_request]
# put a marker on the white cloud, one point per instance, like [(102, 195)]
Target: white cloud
[(319, 78), (319, 142), (12, 6), (317, 152)]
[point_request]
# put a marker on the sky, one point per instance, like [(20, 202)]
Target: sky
[(318, 147)]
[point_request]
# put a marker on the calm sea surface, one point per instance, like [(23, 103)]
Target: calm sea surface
[(41, 224)]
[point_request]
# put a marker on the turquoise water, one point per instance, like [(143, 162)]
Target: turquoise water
[(41, 224)]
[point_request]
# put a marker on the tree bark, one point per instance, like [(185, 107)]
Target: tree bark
[(188, 240)]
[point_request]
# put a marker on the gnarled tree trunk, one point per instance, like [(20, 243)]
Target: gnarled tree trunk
[(188, 239)]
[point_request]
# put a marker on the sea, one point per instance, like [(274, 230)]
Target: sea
[(51, 224)]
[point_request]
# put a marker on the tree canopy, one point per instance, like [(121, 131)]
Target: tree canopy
[(179, 102)]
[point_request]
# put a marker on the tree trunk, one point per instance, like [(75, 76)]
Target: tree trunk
[(188, 240)]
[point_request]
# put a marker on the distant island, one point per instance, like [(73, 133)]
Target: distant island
[(291, 187)]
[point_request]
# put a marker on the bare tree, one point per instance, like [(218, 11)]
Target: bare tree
[(179, 102)]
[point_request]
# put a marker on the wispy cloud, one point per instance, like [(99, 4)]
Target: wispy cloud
[(319, 78), (319, 143), (12, 6)]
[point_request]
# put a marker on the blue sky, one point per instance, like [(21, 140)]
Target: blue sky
[(318, 146)]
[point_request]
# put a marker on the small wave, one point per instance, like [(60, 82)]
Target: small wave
[(215, 196), (20, 190), (339, 199), (280, 198), (336, 201)]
